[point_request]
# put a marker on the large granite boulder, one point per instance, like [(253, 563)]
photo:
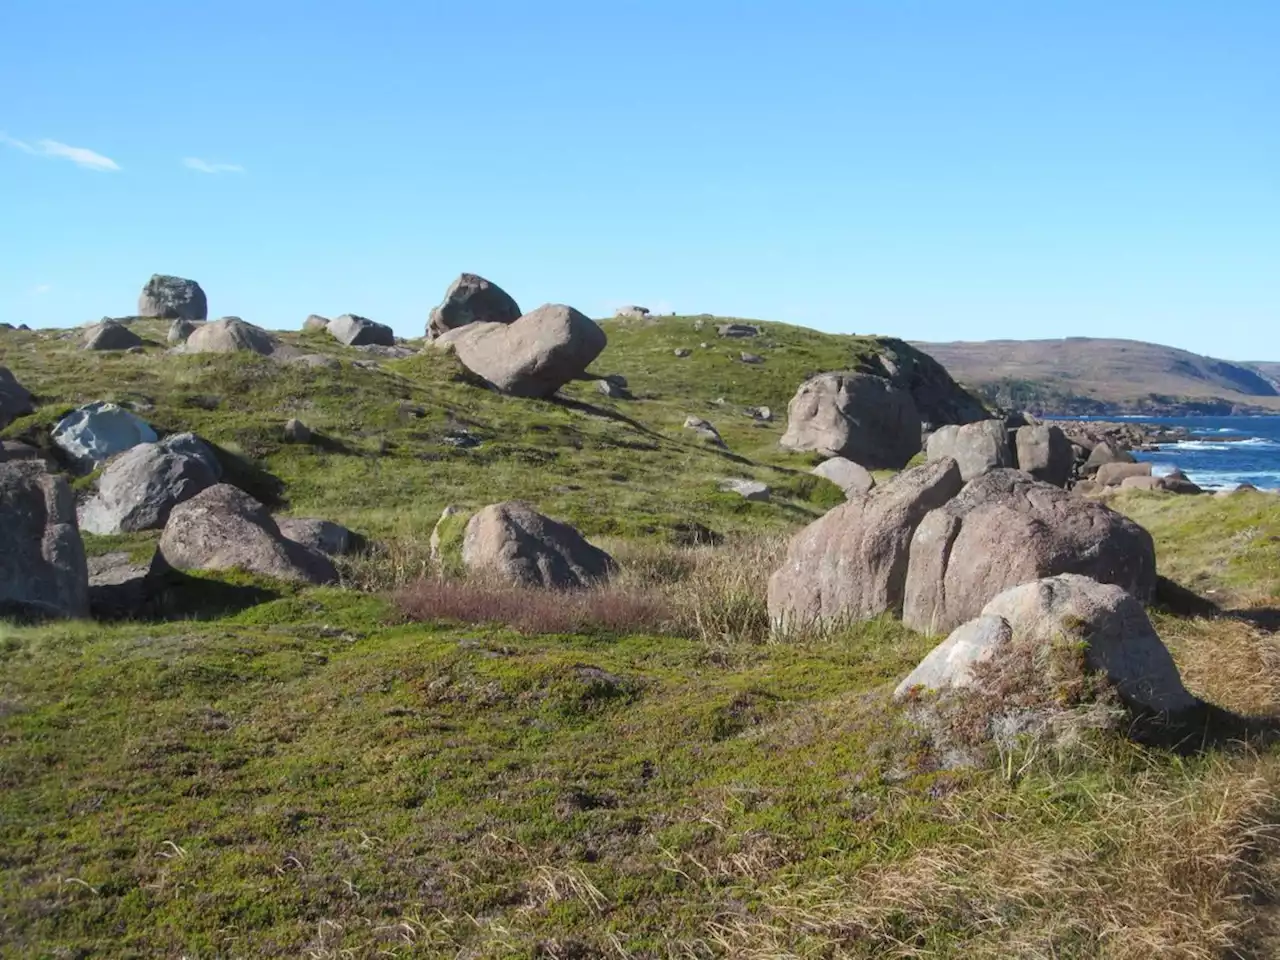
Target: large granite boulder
[(230, 335), (357, 331), (314, 323), (514, 542), (1103, 453), (859, 416), (1044, 451), (173, 298), (139, 488), (852, 562), (978, 447), (97, 431), (1006, 528), (471, 299), (110, 335), (534, 356), (223, 528), (938, 398), (179, 331), (15, 400), (850, 477), (1119, 641), (42, 564), (331, 539), (1114, 474)]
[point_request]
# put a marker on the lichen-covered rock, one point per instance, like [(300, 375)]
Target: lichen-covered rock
[(97, 431), (858, 416), (1006, 528), (223, 528), (43, 571), (172, 298), (471, 299), (852, 562), (513, 541)]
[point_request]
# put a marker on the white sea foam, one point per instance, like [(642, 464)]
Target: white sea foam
[(1253, 443)]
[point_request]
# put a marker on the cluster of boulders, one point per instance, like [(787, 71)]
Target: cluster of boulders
[(522, 354), (1041, 450)]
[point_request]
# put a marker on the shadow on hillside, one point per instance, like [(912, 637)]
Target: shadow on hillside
[(167, 595), (1204, 728), (253, 479), (1178, 600)]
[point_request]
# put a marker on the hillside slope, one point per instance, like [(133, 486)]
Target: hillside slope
[(1081, 375)]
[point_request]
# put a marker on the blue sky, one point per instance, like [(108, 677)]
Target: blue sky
[(933, 170)]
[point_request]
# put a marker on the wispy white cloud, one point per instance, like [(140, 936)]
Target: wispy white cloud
[(80, 156), (41, 289), (204, 166)]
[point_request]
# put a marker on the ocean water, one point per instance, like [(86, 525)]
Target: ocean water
[(1252, 456)]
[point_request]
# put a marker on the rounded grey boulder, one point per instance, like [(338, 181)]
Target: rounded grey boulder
[(1006, 528), (331, 539), (223, 528), (978, 447), (514, 542), (172, 298), (471, 299), (97, 431), (230, 335), (534, 356), (862, 417), (850, 477), (139, 488), (43, 571), (1044, 451)]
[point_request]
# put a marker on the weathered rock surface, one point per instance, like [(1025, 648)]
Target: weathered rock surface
[(532, 357), (858, 416), (173, 298), (978, 447), (15, 400), (357, 331), (139, 488), (1114, 474), (1103, 453), (513, 541), (223, 528), (1120, 641), (471, 299), (852, 562), (230, 335), (331, 539), (1044, 451), (938, 398), (850, 477), (682, 352), (180, 330), (93, 433), (1006, 528), (315, 322), (118, 587), (110, 335), (737, 330), (42, 564)]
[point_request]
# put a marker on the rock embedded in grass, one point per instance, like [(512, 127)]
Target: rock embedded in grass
[(752, 490), (230, 335), (43, 571), (331, 539), (224, 528), (853, 478), (97, 431), (110, 335), (516, 543), (139, 488), (705, 429)]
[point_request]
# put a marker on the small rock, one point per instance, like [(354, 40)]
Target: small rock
[(850, 477), (752, 490), (518, 544), (760, 414), (110, 335), (331, 539), (610, 389), (737, 330), (704, 429), (682, 352), (295, 431), (357, 331), (750, 357), (317, 361), (632, 312)]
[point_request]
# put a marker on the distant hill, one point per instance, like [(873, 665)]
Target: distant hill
[(1082, 375)]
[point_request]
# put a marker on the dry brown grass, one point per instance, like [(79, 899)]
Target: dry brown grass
[(1226, 661)]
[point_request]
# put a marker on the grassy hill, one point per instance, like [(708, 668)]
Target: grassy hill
[(1081, 375), (320, 772)]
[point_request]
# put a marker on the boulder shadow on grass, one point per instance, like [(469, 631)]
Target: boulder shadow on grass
[(177, 595), (240, 471)]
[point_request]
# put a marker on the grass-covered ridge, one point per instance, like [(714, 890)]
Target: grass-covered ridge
[(321, 774)]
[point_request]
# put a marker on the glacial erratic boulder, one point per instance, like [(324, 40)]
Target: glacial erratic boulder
[(1040, 617), (230, 335), (97, 431), (173, 298), (43, 572), (514, 542), (533, 356), (471, 299), (861, 417), (356, 331), (110, 335), (1006, 528), (978, 447), (315, 322), (1044, 451), (139, 488), (223, 528), (852, 562), (15, 399)]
